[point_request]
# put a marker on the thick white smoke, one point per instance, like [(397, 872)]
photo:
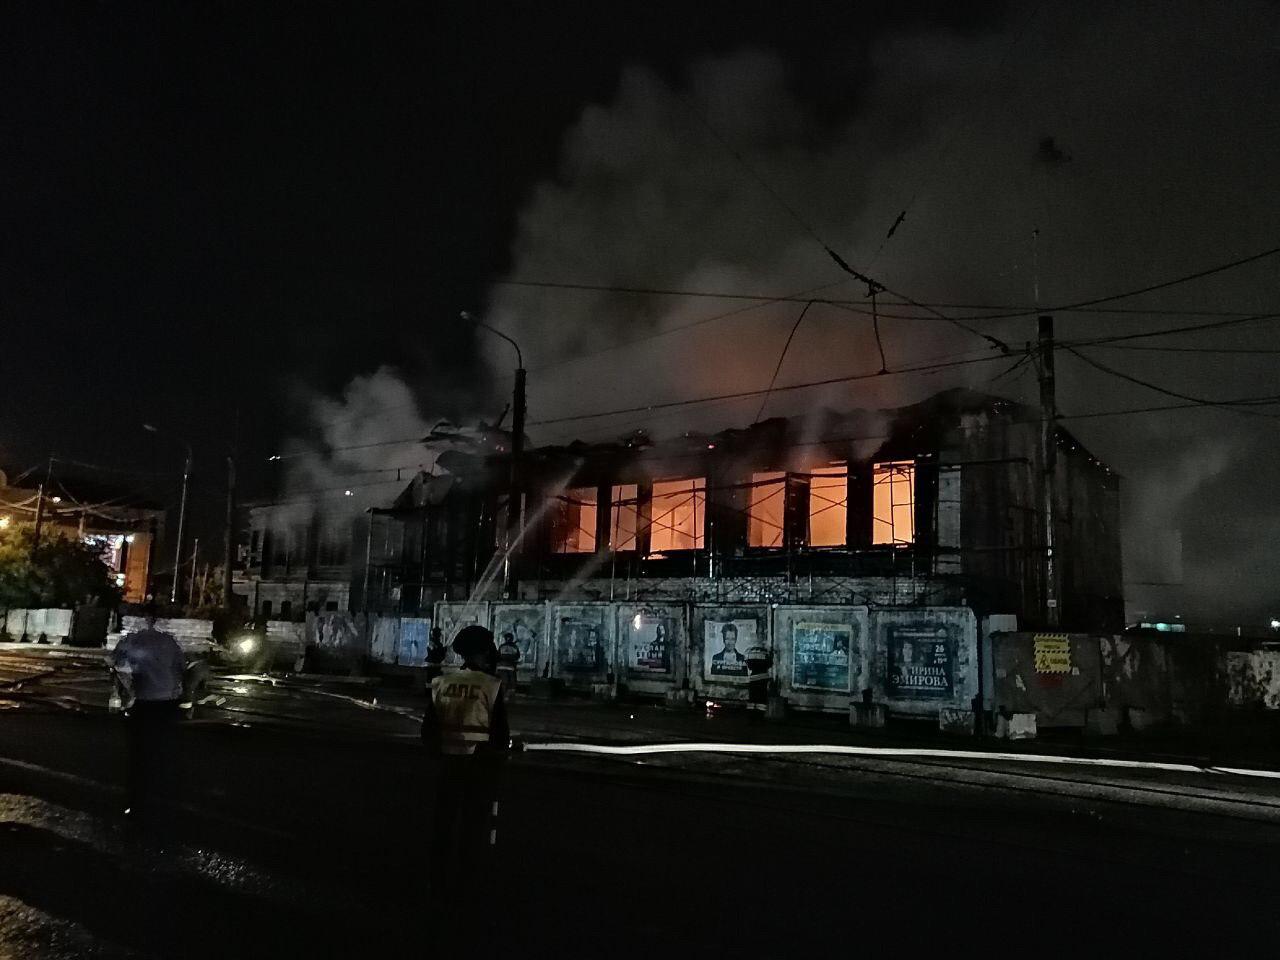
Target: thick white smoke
[(1158, 167)]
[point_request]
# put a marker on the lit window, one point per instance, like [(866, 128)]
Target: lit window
[(828, 506), (894, 503), (574, 523), (768, 507), (624, 517), (677, 512)]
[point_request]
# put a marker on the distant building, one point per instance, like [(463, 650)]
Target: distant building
[(935, 503), (123, 524)]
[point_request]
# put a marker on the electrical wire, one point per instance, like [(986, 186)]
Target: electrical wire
[(1233, 405), (781, 357), (807, 228), (1199, 275), (927, 368)]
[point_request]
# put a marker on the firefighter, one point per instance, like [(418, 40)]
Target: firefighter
[(508, 661), (435, 655), (759, 663), (465, 731)]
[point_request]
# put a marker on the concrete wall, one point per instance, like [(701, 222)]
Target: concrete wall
[(451, 616), (584, 643), (300, 595), (1136, 674), (1059, 686), (529, 625), (1253, 678), (807, 649), (411, 642), (871, 591), (653, 646), (709, 674), (924, 660)]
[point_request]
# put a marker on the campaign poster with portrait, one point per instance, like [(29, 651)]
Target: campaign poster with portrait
[(524, 625), (724, 649), (820, 655), (921, 661), (651, 639), (580, 645)]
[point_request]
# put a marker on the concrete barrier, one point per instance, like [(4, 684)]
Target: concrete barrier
[(44, 625)]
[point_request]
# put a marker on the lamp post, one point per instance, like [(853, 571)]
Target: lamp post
[(182, 511), (517, 448)]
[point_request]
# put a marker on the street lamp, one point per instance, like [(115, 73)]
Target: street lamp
[(182, 509), (517, 448)]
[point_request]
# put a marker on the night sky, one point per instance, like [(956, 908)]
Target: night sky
[(224, 218)]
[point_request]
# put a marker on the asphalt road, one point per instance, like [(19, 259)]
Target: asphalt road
[(300, 840)]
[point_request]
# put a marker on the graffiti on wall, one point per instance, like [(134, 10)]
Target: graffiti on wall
[(921, 660), (724, 648), (820, 655)]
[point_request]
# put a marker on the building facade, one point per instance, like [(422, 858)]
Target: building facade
[(939, 503)]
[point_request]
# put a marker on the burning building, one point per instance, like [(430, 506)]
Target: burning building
[(939, 503)]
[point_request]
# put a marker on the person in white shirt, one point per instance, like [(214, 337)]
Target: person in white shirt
[(152, 665)]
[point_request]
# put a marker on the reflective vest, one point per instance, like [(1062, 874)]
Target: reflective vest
[(464, 703)]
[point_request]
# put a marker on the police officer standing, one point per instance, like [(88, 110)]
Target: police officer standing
[(151, 666), (465, 730)]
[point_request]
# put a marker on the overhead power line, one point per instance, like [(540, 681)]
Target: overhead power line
[(666, 456), (755, 393), (1198, 275), (1233, 405), (808, 228)]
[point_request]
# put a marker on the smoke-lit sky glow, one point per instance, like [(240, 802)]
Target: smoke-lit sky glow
[(287, 218)]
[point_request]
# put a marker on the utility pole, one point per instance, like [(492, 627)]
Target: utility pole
[(195, 554), (517, 449), (1048, 466), (513, 498), (229, 534), (182, 520), (35, 536)]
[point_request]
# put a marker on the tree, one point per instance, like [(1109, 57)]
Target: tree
[(62, 572)]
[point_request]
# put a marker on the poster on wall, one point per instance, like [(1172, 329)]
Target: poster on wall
[(651, 642), (452, 619), (581, 645), (921, 661), (523, 625), (724, 648), (820, 655), (411, 651)]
